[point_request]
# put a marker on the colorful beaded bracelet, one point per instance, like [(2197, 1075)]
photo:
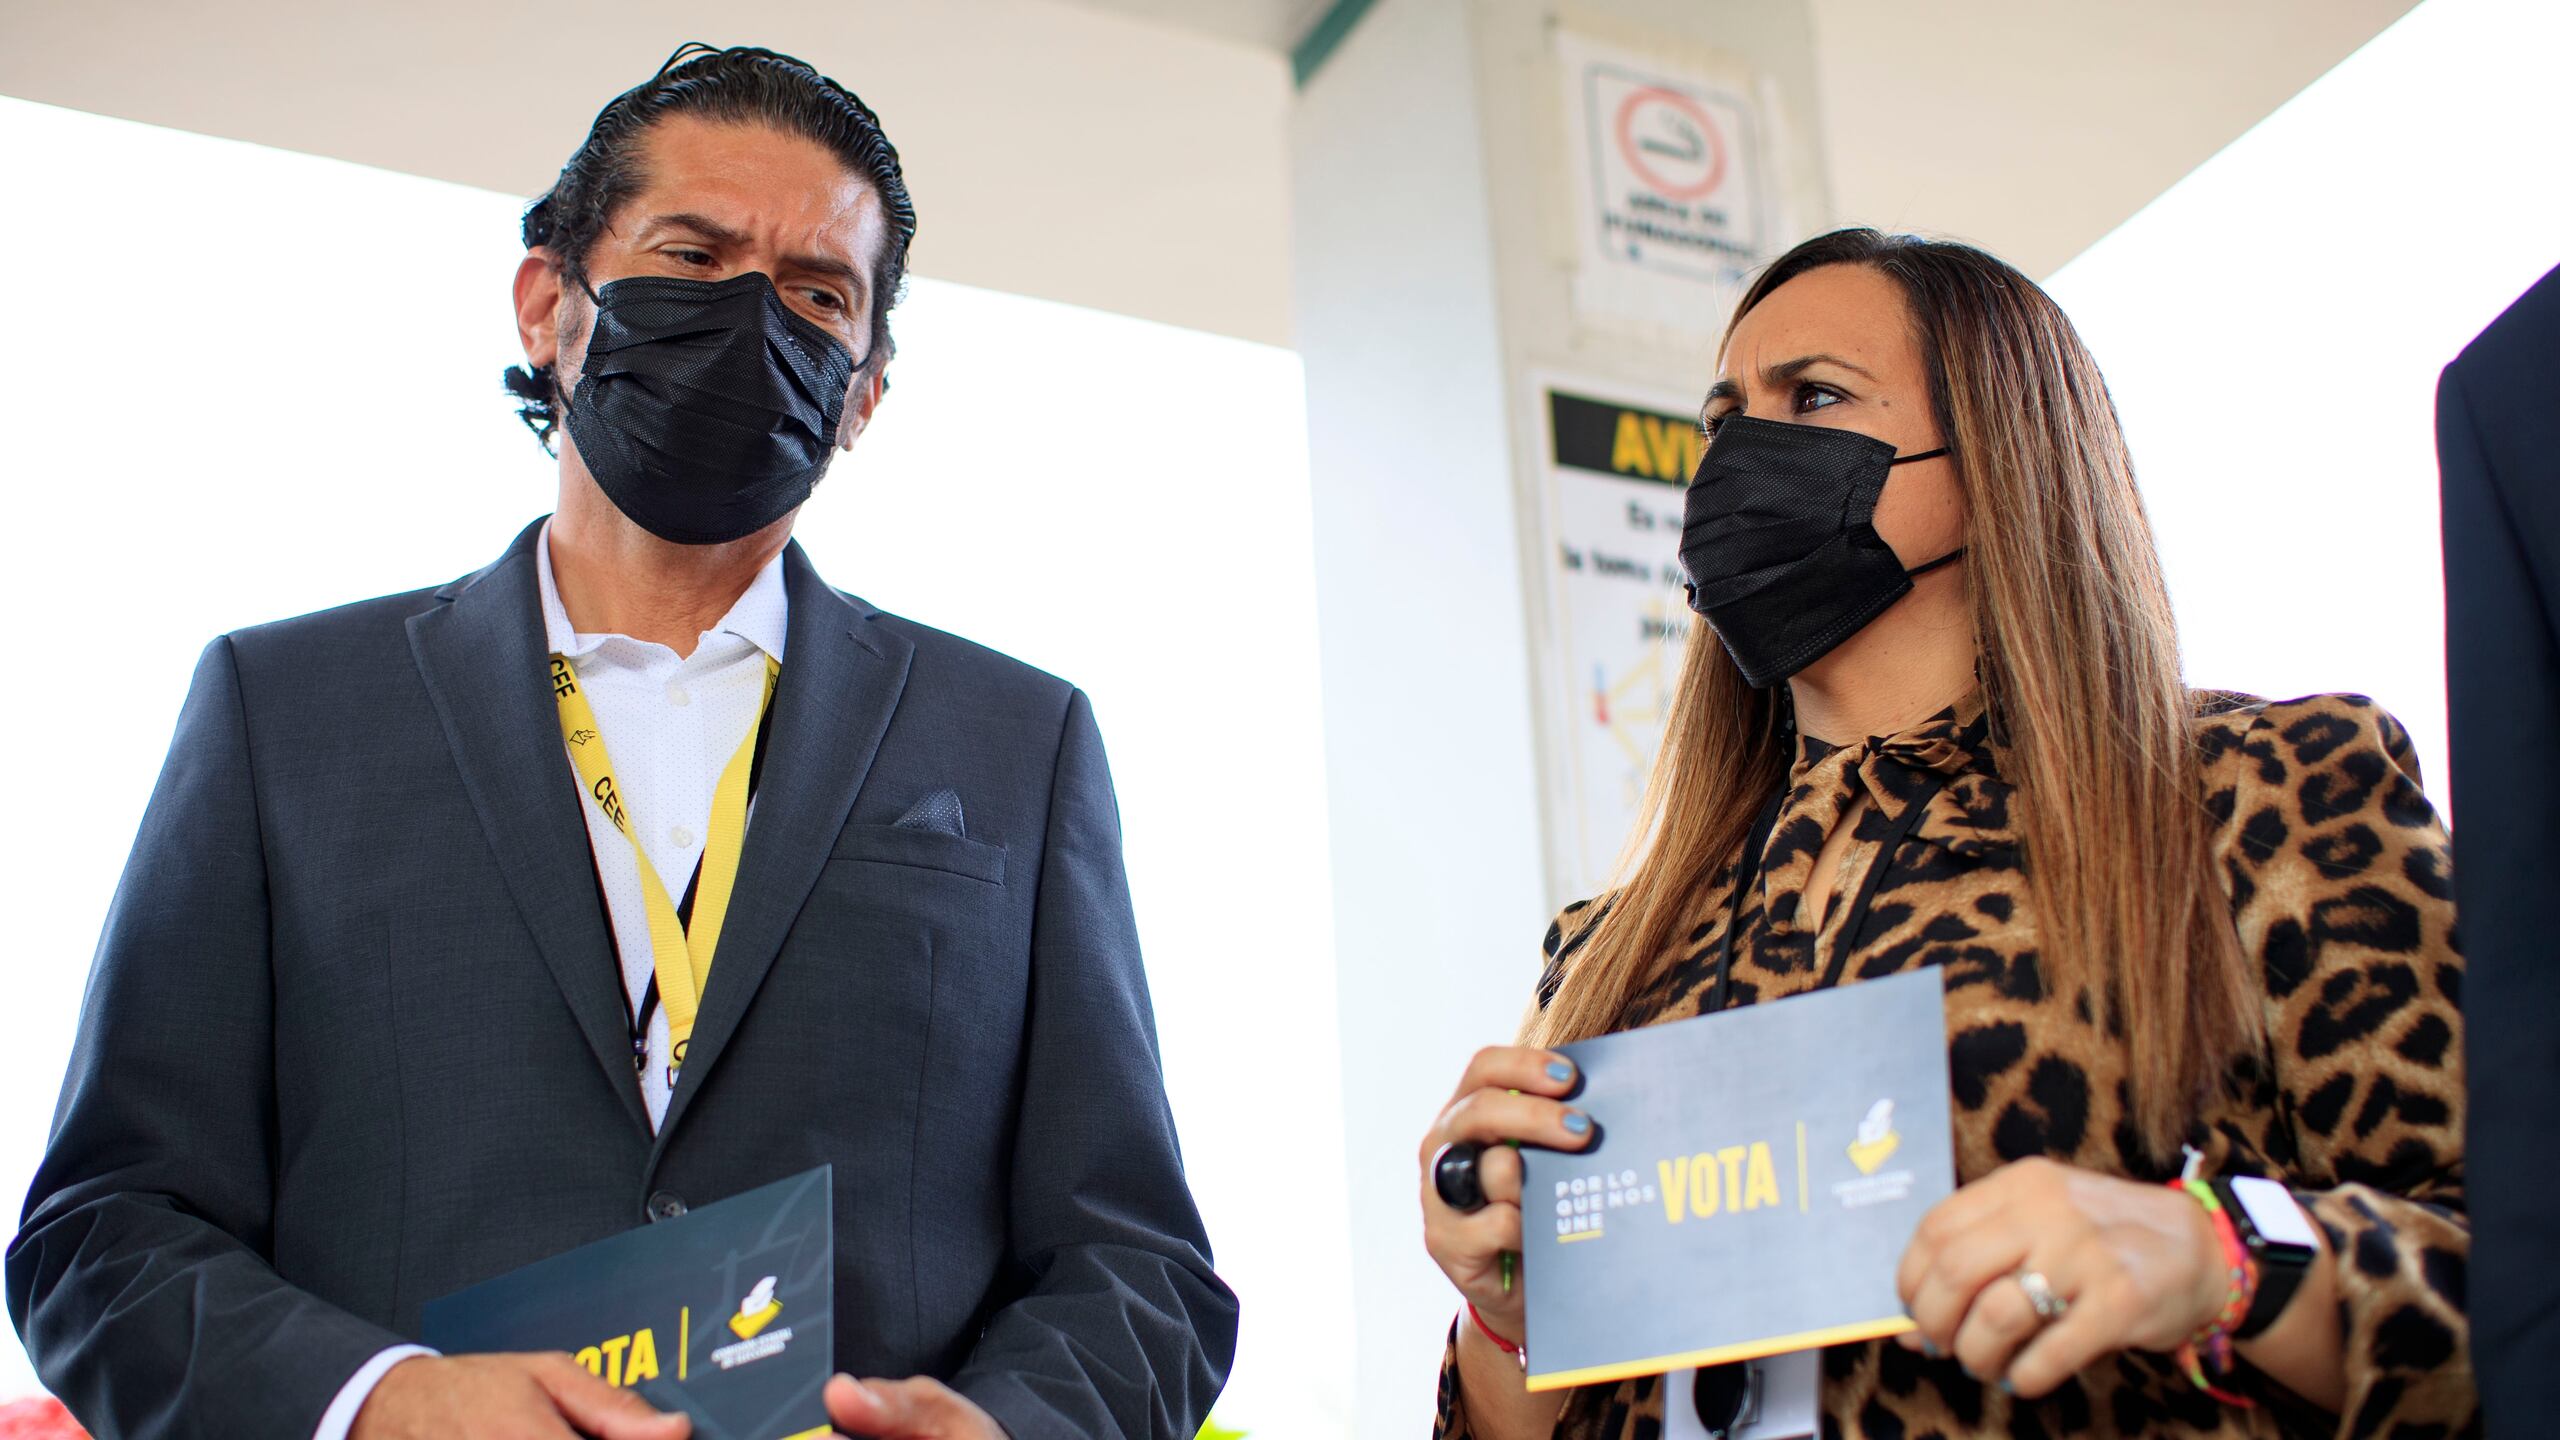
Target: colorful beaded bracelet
[(2208, 1353)]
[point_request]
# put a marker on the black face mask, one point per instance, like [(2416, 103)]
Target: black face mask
[(706, 410), (1782, 555)]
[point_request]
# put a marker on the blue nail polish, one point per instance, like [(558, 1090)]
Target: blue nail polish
[(2008, 1389), (1559, 1071), (1929, 1348), (1577, 1122)]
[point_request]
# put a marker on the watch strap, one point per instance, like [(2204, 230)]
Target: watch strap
[(2280, 1264)]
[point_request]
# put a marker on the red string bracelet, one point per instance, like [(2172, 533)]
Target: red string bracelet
[(1505, 1346)]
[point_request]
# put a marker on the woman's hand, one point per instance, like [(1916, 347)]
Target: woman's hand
[(1468, 1245), (2137, 1265)]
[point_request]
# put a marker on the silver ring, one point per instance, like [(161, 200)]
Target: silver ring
[(2049, 1307)]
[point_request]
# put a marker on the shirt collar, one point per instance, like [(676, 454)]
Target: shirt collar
[(1950, 742), (761, 616)]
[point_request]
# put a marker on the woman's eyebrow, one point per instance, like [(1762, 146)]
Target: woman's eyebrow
[(1785, 371), (1778, 374)]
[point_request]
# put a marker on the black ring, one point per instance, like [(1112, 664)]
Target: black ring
[(1454, 1174), (1719, 1392)]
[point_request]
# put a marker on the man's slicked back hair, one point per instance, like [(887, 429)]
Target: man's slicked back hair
[(742, 85)]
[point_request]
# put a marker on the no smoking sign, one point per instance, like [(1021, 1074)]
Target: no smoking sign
[(1671, 143), (1676, 174)]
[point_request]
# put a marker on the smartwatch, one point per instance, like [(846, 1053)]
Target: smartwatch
[(2280, 1240)]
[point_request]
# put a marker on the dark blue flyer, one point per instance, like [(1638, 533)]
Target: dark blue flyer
[(1757, 1177), (725, 1313)]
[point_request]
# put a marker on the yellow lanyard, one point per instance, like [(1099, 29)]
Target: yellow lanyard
[(680, 953)]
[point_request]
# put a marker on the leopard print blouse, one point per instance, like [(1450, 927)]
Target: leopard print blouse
[(2341, 887)]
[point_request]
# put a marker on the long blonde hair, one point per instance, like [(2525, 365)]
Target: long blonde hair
[(2079, 664)]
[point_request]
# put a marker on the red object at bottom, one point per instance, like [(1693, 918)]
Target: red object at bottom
[(38, 1420)]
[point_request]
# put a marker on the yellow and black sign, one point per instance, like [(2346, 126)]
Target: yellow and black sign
[(1622, 440)]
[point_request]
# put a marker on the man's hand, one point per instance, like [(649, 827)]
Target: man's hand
[(918, 1409), (507, 1397)]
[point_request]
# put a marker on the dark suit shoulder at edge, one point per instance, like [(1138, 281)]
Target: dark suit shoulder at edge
[(2526, 332), (959, 653), (364, 621)]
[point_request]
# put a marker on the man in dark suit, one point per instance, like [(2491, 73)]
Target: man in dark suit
[(2498, 441), (395, 995)]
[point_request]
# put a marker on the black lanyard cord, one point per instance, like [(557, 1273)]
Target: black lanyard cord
[(1903, 825), (1746, 870), (1856, 923)]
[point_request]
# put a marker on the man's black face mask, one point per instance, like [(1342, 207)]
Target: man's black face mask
[(1780, 546), (706, 409)]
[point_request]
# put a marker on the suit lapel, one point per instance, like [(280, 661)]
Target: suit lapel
[(482, 657), (842, 673)]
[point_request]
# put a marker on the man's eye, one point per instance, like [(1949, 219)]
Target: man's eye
[(825, 299)]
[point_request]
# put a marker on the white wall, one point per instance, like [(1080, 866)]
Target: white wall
[(250, 420)]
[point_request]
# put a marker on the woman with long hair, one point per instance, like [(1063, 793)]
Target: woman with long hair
[(1934, 717)]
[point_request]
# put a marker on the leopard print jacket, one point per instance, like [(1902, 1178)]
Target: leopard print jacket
[(2341, 887)]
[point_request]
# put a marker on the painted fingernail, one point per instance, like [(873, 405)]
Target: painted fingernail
[(1929, 1348), (1577, 1123), (2007, 1389), (1559, 1071)]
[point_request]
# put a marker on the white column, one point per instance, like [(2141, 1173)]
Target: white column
[(1433, 278)]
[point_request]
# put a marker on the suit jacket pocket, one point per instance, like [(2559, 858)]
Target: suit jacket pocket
[(924, 849)]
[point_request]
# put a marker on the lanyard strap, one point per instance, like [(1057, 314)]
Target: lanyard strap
[(680, 947), (1746, 870), (1749, 870)]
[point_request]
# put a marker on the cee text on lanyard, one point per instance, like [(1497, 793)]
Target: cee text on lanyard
[(680, 953)]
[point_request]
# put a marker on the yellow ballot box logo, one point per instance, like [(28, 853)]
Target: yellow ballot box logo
[(755, 1341), (1875, 1143), (1877, 1139), (756, 1311)]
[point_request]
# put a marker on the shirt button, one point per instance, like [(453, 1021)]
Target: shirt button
[(678, 696), (681, 838), (665, 1205)]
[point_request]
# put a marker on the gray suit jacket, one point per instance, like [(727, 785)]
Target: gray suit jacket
[(356, 1037)]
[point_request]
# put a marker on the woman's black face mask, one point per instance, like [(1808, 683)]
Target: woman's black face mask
[(706, 409), (1780, 546)]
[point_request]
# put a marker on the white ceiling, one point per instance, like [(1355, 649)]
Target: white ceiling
[(2030, 126), (2034, 127), (1266, 24)]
